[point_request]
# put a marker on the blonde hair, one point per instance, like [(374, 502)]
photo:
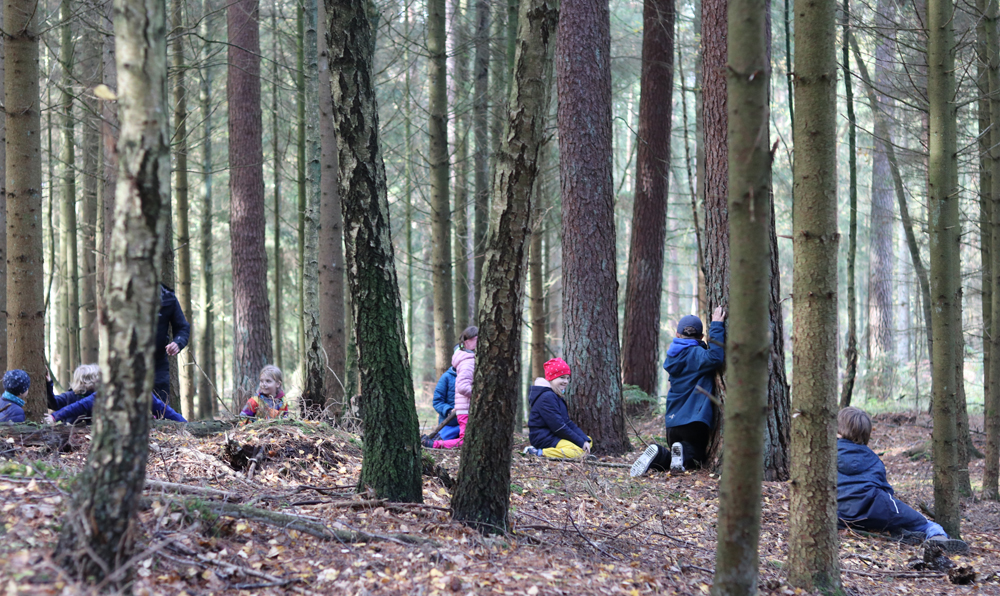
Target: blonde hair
[(274, 372), (854, 425), (86, 378)]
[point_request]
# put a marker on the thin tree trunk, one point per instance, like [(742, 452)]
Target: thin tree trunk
[(90, 76), (96, 540), (206, 318), (67, 213), (992, 394), (463, 118), (985, 204), (590, 297), (851, 355), (391, 466), (481, 135), (963, 483), (3, 215), (279, 279), (644, 287), (300, 175), (109, 181), (482, 497), (536, 271), (813, 560), (251, 328)]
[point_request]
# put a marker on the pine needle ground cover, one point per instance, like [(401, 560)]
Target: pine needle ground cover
[(272, 509)]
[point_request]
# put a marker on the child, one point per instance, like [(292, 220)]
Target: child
[(83, 409), (553, 434), (864, 497), (691, 365), (86, 378), (464, 363), (270, 400), (15, 388), (444, 403)]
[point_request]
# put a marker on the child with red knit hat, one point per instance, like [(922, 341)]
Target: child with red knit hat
[(553, 434)]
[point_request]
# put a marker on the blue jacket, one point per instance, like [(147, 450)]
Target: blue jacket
[(444, 396), (170, 315), (84, 408), (57, 402), (690, 364), (549, 420), (12, 411)]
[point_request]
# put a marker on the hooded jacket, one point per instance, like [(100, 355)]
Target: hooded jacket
[(691, 364), (57, 402), (170, 316), (11, 408), (444, 396), (549, 420), (84, 408), (464, 363)]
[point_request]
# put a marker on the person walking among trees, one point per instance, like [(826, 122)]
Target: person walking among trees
[(553, 434), (170, 319), (691, 364), (464, 363)]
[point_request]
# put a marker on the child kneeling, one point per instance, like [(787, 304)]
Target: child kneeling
[(864, 497), (553, 434)]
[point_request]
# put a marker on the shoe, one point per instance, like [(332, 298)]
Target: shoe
[(529, 450), (427, 441), (676, 458), (950, 545), (912, 538), (641, 465)]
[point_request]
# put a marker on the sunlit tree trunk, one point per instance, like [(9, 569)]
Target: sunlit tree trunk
[(851, 355), (206, 317), (70, 337)]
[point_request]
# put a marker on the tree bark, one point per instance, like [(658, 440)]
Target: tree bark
[(644, 287), (750, 346), (279, 275), (251, 328), (813, 560), (3, 214), (109, 181), (25, 272), (944, 257), (985, 202), (590, 291), (98, 536), (464, 313), (991, 472), (206, 318), (851, 355), (482, 497), (391, 465), (70, 337), (481, 135), (89, 66)]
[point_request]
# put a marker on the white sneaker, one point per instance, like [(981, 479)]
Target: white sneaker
[(676, 458), (529, 450), (642, 464)]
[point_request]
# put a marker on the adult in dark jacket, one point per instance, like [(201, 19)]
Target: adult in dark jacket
[(691, 364), (83, 409), (553, 434), (444, 403), (170, 320)]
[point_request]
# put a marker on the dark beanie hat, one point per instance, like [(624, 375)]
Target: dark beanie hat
[(690, 321), (16, 381)]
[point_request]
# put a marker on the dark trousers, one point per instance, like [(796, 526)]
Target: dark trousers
[(162, 391), (693, 438)]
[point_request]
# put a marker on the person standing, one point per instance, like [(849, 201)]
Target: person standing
[(172, 335)]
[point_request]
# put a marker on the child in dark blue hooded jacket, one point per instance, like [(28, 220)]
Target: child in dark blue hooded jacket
[(15, 388), (691, 364), (444, 403), (864, 497), (553, 434)]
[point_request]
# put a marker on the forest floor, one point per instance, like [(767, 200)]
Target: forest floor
[(578, 528)]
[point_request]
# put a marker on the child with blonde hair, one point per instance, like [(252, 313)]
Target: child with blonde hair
[(269, 403), (86, 378)]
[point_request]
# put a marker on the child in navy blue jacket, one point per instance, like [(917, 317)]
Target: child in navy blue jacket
[(15, 388), (691, 364), (864, 497), (444, 403), (86, 378), (553, 434), (77, 405)]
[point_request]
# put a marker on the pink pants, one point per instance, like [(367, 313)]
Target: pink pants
[(463, 419)]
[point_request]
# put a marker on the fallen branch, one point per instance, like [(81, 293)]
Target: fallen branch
[(234, 569), (893, 573), (371, 504), (187, 489)]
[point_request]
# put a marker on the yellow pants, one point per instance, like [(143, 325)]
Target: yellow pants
[(564, 450)]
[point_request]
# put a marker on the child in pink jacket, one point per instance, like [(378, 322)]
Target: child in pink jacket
[(464, 363)]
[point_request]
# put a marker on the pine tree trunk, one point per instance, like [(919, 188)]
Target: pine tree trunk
[(25, 272), (90, 75), (98, 534), (3, 215), (750, 343), (644, 287), (206, 318), (985, 198), (463, 119), (440, 207), (482, 497), (590, 295), (279, 276), (851, 355), (109, 181), (391, 465), (331, 241), (67, 212), (480, 131), (813, 542), (300, 177), (992, 392), (536, 269), (251, 328), (944, 257)]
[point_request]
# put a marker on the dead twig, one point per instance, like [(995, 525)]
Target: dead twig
[(191, 490), (569, 514)]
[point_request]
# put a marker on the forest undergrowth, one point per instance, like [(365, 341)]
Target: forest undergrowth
[(290, 521)]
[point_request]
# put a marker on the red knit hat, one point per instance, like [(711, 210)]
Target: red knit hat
[(555, 368)]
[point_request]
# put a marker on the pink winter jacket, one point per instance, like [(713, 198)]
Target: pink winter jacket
[(465, 367)]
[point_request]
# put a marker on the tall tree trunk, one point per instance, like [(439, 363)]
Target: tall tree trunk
[(944, 256), (482, 497), (813, 542), (109, 181), (67, 213), (251, 328), (331, 241), (408, 184), (440, 207), (644, 287), (3, 216), (851, 355), (206, 317), (463, 119), (750, 344), (90, 76), (992, 392), (279, 279), (985, 202), (98, 535), (481, 135), (182, 204), (25, 272), (391, 465), (300, 172), (536, 269), (590, 297)]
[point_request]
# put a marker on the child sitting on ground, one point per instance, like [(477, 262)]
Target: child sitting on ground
[(15, 388), (269, 403), (444, 404), (864, 497), (464, 363), (553, 434), (86, 378)]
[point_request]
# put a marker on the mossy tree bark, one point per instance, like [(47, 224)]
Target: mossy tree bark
[(991, 473), (392, 452), (482, 497), (749, 292), (813, 562), (98, 536)]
